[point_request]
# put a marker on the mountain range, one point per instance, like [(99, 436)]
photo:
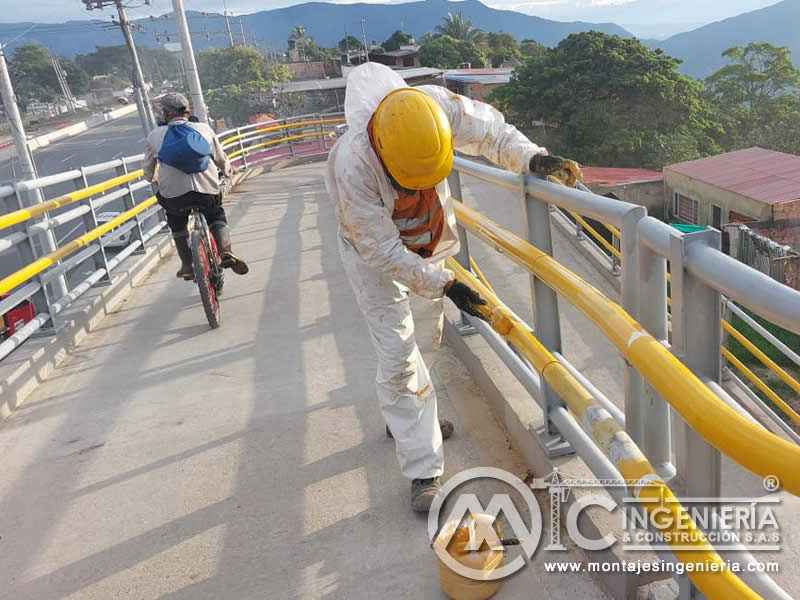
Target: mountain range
[(701, 48)]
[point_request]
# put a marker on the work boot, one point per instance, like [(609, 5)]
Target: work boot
[(186, 271), (445, 425), (222, 235), (423, 492)]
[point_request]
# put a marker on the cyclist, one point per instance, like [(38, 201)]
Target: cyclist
[(191, 181)]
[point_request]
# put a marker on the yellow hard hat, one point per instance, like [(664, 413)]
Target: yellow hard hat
[(413, 138)]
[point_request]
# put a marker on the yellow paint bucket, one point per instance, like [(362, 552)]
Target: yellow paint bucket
[(456, 585)]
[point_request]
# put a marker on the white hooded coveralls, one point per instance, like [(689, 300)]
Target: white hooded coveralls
[(391, 283)]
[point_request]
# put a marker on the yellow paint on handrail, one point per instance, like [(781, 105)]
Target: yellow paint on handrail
[(655, 496), (768, 391), (603, 241), (10, 282), (273, 142), (749, 445), (236, 138), (480, 275), (18, 216)]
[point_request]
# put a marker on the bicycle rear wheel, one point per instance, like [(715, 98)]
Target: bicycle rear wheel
[(202, 274)]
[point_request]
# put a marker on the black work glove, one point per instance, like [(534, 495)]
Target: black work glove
[(466, 299), (557, 169)]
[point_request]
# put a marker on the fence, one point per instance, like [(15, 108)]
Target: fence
[(30, 223), (765, 256), (684, 374)]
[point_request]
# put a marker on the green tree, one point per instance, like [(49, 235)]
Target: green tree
[(613, 101), (157, 64), (236, 66), (757, 74), (757, 98), (397, 39), (351, 43), (445, 52), (456, 26), (532, 49), (500, 47), (33, 75)]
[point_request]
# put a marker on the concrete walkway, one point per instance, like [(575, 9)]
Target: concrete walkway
[(164, 460)]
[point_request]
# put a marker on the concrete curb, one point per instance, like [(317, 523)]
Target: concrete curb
[(31, 363), (76, 128), (520, 415)]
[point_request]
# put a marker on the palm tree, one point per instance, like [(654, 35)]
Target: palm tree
[(298, 34), (459, 28)]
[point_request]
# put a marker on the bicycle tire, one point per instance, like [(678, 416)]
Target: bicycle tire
[(202, 275)]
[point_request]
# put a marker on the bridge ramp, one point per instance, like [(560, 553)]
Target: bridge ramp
[(163, 460)]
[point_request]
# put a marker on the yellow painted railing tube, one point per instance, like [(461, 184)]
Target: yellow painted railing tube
[(37, 266), (480, 275), (771, 365), (273, 142), (236, 138), (18, 216), (596, 235), (679, 529), (768, 391), (748, 444)]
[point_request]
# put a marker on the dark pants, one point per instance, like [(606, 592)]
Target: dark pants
[(179, 208)]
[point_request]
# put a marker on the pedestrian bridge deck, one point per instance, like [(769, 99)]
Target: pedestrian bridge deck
[(165, 460)]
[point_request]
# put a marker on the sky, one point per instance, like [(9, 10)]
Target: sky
[(676, 15)]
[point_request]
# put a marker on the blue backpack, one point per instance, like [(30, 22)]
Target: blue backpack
[(185, 149)]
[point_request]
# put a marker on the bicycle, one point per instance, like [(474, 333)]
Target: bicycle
[(207, 267)]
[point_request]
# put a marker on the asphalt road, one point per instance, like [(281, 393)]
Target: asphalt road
[(121, 137)]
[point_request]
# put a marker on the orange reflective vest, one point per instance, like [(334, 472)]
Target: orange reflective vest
[(419, 216)]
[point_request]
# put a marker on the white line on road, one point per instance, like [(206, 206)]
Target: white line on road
[(141, 140), (66, 159), (118, 155)]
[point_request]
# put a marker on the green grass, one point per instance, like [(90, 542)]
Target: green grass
[(792, 340)]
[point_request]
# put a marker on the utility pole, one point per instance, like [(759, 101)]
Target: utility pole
[(241, 27), (145, 113), (227, 23), (25, 158), (364, 37), (189, 65), (62, 82), (139, 84)]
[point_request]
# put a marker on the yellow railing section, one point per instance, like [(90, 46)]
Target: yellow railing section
[(748, 444), (48, 260), (236, 138), (279, 141), (655, 496), (739, 336), (18, 216)]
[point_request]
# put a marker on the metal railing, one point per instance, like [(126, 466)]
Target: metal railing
[(44, 279), (29, 223), (278, 139), (787, 412), (685, 373)]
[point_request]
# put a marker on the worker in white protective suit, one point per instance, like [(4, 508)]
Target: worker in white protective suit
[(386, 176)]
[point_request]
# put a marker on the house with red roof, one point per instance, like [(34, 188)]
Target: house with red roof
[(754, 185)]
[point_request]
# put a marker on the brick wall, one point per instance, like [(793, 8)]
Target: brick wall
[(318, 69)]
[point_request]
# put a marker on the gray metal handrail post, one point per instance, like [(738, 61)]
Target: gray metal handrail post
[(241, 147), (696, 340), (464, 327), (129, 202), (652, 315), (90, 222), (536, 216), (634, 384), (28, 252)]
